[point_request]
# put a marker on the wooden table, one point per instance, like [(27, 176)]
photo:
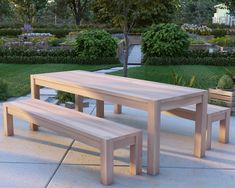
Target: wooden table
[(152, 97)]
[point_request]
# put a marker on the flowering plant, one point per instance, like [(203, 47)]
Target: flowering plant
[(27, 28)]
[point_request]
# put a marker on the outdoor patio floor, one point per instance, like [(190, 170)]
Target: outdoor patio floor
[(45, 159)]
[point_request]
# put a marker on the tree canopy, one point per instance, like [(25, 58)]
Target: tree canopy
[(28, 9), (197, 11)]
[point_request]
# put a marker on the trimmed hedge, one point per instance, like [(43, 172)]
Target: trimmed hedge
[(10, 32), (62, 32), (219, 61), (31, 52), (56, 60)]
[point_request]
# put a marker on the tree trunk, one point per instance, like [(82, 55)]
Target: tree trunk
[(125, 31), (125, 65), (78, 19)]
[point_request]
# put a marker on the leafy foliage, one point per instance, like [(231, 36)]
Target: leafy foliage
[(58, 60), (180, 80), (64, 96), (215, 61), (197, 12), (95, 44), (139, 12), (225, 82), (28, 9), (225, 41), (3, 90), (164, 40)]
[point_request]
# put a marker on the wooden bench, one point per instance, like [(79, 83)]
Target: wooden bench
[(214, 113), (97, 132)]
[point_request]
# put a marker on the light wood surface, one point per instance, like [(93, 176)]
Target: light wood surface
[(97, 132), (152, 97), (214, 113), (35, 93)]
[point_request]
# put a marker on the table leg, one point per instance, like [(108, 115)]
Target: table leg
[(200, 128), (79, 103), (100, 108), (35, 92), (117, 109), (154, 121)]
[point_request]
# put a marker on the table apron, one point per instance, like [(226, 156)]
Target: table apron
[(178, 103)]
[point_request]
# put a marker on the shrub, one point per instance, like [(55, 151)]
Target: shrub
[(196, 29), (65, 97), (197, 41), (96, 43), (57, 60), (164, 40), (219, 32), (219, 61), (3, 90), (225, 41), (225, 82), (4, 52), (10, 32)]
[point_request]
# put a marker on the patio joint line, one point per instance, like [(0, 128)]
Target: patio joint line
[(61, 161)]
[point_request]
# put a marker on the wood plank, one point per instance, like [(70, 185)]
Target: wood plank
[(74, 120), (200, 128), (118, 85), (35, 94), (154, 121), (222, 97), (222, 92)]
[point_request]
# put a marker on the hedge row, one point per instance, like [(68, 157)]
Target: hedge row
[(219, 61), (205, 53), (56, 60), (31, 52), (61, 32)]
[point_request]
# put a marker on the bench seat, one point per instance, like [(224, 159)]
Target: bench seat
[(214, 113), (97, 132)]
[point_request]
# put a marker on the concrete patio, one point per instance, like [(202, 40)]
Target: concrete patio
[(45, 159)]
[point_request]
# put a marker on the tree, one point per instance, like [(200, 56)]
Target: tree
[(28, 9), (231, 5), (5, 7), (79, 8), (197, 11), (58, 10), (127, 13)]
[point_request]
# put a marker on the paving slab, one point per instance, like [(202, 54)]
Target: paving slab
[(179, 168), (18, 175), (43, 146), (77, 176)]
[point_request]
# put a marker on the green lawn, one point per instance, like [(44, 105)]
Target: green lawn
[(18, 76), (206, 76)]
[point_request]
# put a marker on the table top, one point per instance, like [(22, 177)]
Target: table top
[(121, 86)]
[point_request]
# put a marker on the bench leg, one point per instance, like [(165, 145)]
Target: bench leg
[(117, 109), (100, 108), (35, 92), (79, 103), (8, 123), (106, 162), (224, 129), (136, 156), (208, 134)]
